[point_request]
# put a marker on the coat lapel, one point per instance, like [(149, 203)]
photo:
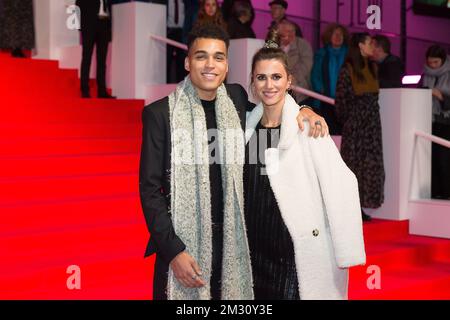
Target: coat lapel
[(289, 125)]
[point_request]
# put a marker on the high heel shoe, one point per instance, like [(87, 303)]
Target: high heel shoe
[(365, 216)]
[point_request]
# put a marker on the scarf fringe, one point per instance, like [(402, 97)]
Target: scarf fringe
[(190, 198)]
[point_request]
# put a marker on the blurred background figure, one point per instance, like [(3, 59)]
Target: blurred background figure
[(209, 13), (227, 6), (239, 26), (190, 15), (325, 72), (278, 11), (437, 77), (358, 110), (390, 68), (180, 18), (300, 57), (17, 26)]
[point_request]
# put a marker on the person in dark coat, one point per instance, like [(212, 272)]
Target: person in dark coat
[(95, 32), (227, 7), (358, 110), (390, 68), (17, 26), (238, 24), (181, 270)]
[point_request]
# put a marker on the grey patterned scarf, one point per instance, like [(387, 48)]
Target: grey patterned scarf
[(190, 193)]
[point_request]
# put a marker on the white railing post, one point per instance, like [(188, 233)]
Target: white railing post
[(137, 61)]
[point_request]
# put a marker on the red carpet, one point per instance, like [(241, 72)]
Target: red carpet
[(69, 196)]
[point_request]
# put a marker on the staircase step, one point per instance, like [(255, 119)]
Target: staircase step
[(72, 111), (391, 229), (123, 278), (27, 253), (70, 130), (406, 282), (67, 188), (68, 165), (52, 216), (40, 147), (410, 250)]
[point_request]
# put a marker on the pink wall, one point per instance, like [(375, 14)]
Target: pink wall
[(429, 28)]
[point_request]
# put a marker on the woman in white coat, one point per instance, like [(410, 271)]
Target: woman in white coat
[(301, 201)]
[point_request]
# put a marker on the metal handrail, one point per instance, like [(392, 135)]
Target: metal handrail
[(313, 94), (432, 138), (169, 41), (301, 90)]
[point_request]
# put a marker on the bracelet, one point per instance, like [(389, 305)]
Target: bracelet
[(306, 106)]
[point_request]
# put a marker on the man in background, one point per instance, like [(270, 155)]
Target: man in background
[(390, 67), (278, 11), (300, 56)]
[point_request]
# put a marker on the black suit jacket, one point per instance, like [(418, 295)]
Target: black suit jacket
[(154, 173), (89, 15)]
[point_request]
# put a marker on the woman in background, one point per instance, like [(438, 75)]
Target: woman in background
[(208, 13), (437, 77), (325, 72), (358, 110)]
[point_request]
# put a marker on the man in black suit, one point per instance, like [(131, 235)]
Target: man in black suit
[(95, 31), (207, 63)]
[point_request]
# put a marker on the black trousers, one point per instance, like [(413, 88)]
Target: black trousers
[(440, 165), (97, 36), (175, 57)]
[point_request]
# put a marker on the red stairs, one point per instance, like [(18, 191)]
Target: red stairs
[(69, 196)]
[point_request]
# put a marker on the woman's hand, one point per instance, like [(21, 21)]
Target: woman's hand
[(316, 130)]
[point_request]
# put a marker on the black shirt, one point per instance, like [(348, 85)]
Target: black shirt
[(215, 173), (270, 243)]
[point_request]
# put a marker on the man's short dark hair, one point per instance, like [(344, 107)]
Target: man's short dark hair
[(208, 31), (436, 51), (282, 3), (383, 42)]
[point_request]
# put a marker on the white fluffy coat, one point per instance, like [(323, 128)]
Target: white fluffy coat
[(318, 198)]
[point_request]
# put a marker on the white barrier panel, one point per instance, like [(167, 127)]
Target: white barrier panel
[(158, 91), (52, 33), (240, 56), (403, 112), (70, 58), (430, 218), (137, 60)]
